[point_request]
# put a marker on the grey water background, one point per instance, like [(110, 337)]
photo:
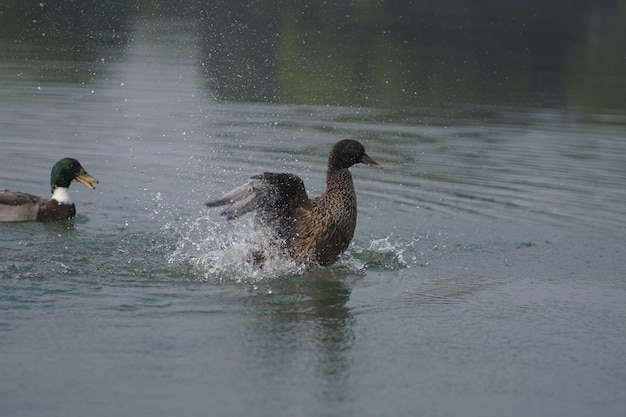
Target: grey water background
[(486, 276)]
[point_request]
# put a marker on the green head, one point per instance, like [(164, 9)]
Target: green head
[(67, 170)]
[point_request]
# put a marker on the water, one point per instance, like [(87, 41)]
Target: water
[(485, 277)]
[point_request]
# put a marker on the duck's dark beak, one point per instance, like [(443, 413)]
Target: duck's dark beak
[(365, 159), (86, 179)]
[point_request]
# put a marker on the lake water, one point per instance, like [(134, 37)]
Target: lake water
[(486, 276)]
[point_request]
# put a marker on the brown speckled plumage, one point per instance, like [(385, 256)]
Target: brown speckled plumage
[(315, 231)]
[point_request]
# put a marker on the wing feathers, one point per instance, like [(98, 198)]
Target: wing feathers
[(273, 195), (240, 200)]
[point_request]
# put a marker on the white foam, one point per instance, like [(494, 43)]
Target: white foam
[(223, 251), (386, 253)]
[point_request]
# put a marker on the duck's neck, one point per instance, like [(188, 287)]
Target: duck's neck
[(61, 195), (339, 181)]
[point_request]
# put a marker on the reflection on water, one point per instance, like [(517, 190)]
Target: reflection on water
[(66, 42), (386, 54), (372, 54), (307, 325)]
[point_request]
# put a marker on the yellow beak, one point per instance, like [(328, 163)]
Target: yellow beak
[(86, 179)]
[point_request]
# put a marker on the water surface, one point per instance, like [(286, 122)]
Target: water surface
[(485, 277)]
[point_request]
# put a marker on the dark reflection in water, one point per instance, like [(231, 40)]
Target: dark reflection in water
[(308, 325), (390, 53), (69, 30), (384, 53), (64, 42), (239, 45)]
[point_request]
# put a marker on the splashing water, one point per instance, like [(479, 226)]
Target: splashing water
[(223, 251), (381, 253)]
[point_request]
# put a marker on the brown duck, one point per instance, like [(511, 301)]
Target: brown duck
[(314, 231)]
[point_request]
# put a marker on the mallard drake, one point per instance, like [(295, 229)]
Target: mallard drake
[(314, 231), (16, 206)]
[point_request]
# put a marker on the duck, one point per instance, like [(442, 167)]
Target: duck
[(16, 206), (313, 231)]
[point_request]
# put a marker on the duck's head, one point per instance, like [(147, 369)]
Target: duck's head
[(348, 152), (67, 170)]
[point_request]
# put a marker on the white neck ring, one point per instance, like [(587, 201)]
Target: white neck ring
[(61, 195)]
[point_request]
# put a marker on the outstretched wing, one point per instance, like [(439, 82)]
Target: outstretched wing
[(240, 200), (275, 197)]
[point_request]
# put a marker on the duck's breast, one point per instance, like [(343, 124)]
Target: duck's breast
[(322, 234)]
